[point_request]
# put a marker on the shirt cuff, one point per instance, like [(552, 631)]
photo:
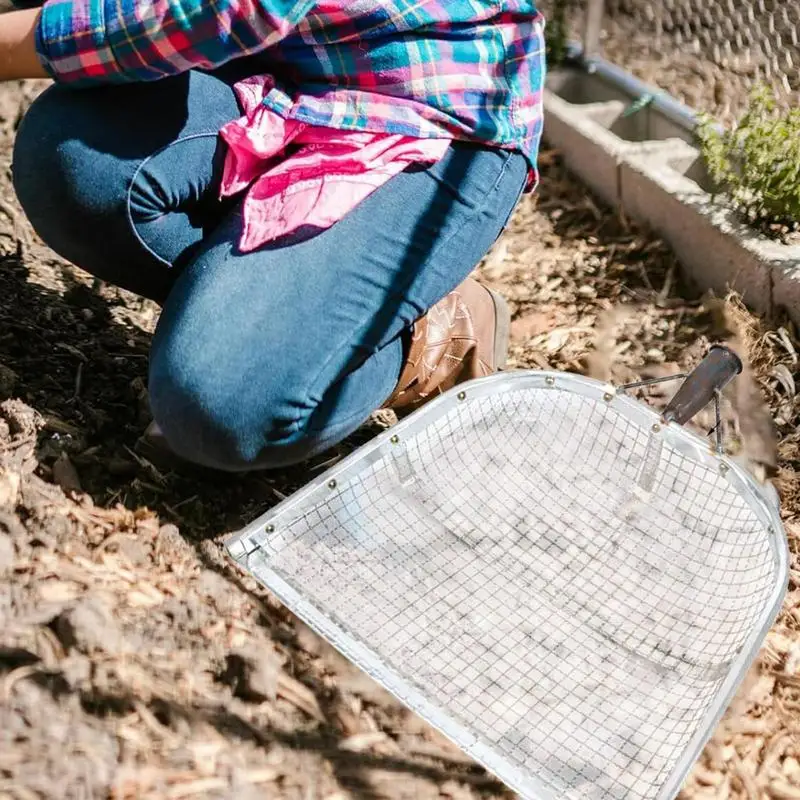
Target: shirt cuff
[(72, 44)]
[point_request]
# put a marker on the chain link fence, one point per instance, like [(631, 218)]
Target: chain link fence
[(708, 53)]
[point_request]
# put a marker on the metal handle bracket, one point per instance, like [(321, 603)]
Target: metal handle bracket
[(701, 386)]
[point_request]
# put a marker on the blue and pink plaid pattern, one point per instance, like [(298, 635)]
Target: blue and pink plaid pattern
[(415, 67)]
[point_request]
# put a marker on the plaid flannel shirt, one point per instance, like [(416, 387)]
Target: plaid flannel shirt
[(467, 68)]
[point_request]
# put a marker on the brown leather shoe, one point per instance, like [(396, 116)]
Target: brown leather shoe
[(464, 336)]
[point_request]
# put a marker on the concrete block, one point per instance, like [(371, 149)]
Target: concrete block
[(716, 249), (588, 136), (707, 239), (589, 149), (663, 184), (786, 282), (581, 88)]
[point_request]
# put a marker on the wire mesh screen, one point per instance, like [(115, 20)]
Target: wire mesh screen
[(711, 53), (506, 561)]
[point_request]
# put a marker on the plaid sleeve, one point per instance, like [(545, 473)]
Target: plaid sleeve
[(85, 42)]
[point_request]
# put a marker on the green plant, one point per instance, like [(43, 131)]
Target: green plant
[(557, 33), (757, 163)]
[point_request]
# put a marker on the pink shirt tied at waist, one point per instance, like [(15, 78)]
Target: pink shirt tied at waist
[(326, 175)]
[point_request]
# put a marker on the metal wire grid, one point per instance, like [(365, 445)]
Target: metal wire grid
[(503, 562)]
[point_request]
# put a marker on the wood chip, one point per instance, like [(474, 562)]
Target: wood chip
[(144, 596), (532, 323), (706, 776), (362, 741), (55, 591), (299, 696), (782, 790), (262, 775), (55, 425), (193, 788), (9, 488)]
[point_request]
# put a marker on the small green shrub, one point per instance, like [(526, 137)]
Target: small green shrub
[(757, 163), (556, 33)]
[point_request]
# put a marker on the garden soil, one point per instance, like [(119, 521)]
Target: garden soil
[(136, 661)]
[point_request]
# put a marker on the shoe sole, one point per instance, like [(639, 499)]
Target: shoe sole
[(502, 329)]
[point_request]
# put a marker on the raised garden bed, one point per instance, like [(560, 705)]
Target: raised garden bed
[(635, 148)]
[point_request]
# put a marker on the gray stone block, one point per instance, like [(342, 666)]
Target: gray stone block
[(663, 184)]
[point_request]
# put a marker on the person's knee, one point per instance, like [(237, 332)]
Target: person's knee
[(58, 177), (213, 414)]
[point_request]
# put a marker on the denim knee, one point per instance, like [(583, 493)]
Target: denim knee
[(216, 417)]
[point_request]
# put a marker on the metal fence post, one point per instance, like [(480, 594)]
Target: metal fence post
[(592, 27)]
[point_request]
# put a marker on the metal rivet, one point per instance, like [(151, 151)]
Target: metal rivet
[(270, 529), (723, 468), (331, 484), (550, 380), (656, 427), (608, 397), (395, 439), (462, 395)]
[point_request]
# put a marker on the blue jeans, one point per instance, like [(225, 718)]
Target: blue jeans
[(264, 359)]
